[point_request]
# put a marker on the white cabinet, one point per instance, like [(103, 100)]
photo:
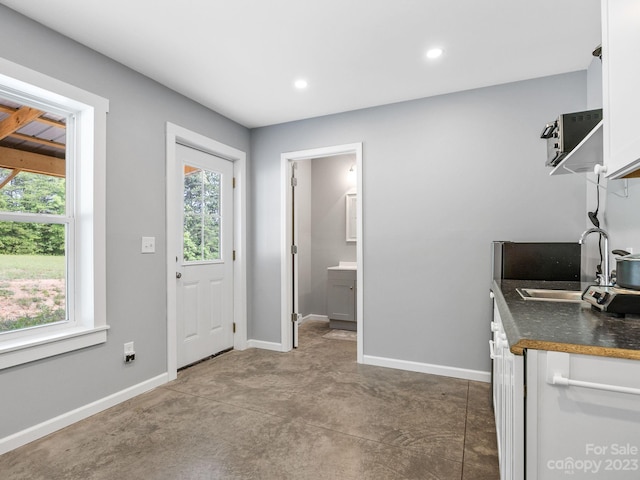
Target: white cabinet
[(580, 420), (585, 424), (620, 81), (508, 402)]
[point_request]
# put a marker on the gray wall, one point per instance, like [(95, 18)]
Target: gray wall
[(619, 215), (136, 291), (622, 217), (590, 255), (442, 178)]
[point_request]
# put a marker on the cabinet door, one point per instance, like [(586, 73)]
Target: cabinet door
[(498, 382), (508, 390), (341, 299), (620, 80), (583, 428)]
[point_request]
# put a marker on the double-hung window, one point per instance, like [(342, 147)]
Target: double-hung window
[(52, 216)]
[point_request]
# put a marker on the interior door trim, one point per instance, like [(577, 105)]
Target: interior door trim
[(176, 134), (286, 299)]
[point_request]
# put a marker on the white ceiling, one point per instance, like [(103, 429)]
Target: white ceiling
[(241, 57)]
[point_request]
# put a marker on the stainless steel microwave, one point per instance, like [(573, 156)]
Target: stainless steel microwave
[(566, 132)]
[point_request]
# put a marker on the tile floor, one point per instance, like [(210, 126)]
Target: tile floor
[(312, 414)]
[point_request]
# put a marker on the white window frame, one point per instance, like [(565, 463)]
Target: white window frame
[(86, 249)]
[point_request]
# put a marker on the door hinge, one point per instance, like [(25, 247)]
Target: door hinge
[(234, 327), (233, 182), (294, 182), (234, 255), (294, 249), (294, 317)]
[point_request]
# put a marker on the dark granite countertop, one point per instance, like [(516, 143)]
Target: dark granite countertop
[(563, 326)]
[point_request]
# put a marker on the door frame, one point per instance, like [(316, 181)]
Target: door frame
[(176, 134), (286, 301)]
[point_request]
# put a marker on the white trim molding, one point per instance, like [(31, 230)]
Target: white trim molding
[(85, 216), (274, 347), (286, 297), (27, 350), (61, 421), (442, 370), (314, 317)]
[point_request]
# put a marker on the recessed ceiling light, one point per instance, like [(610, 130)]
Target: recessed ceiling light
[(434, 52), (301, 84)]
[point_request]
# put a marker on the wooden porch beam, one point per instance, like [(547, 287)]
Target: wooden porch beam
[(47, 121), (17, 120), (32, 162), (9, 178), (41, 141)]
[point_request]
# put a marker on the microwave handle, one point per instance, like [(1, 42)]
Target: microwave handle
[(549, 128)]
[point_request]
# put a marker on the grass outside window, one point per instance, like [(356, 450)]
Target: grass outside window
[(32, 291)]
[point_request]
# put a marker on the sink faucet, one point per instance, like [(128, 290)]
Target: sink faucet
[(606, 274)]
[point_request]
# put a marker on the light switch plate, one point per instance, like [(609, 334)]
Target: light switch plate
[(148, 244)]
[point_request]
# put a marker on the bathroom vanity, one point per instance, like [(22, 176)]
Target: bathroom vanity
[(341, 295)]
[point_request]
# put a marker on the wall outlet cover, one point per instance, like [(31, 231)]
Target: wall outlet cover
[(148, 245)]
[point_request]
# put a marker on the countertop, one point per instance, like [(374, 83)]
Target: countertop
[(345, 266), (563, 326)]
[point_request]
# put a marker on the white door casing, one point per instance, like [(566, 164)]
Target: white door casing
[(204, 271), (175, 136), (286, 267)]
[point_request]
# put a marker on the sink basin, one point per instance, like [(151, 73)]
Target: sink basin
[(540, 294)]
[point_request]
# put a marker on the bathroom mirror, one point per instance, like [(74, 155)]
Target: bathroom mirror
[(351, 199)]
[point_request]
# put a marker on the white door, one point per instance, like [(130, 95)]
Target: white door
[(295, 292), (204, 270)]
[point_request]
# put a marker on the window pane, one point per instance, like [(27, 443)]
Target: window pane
[(32, 193), (211, 238), (32, 281), (192, 237), (212, 192), (201, 214), (193, 192)]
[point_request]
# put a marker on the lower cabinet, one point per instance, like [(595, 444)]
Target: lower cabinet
[(508, 401), (561, 415), (582, 417), (341, 299)]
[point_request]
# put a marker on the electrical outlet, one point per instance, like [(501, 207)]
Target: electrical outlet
[(129, 353), (148, 245)]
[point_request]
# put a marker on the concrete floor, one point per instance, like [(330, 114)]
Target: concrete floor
[(312, 414)]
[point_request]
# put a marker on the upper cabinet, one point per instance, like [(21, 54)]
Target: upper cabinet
[(620, 84)]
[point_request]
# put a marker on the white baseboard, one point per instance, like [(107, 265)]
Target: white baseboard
[(276, 347), (313, 316), (49, 426), (442, 370)]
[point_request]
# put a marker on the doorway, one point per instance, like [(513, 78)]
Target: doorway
[(213, 266), (290, 279)]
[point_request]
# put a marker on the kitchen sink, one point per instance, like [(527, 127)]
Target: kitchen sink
[(544, 295)]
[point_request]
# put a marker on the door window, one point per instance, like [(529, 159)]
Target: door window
[(201, 215)]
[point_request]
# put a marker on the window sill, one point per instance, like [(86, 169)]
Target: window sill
[(27, 350)]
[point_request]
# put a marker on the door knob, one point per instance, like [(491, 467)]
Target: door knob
[(178, 275)]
